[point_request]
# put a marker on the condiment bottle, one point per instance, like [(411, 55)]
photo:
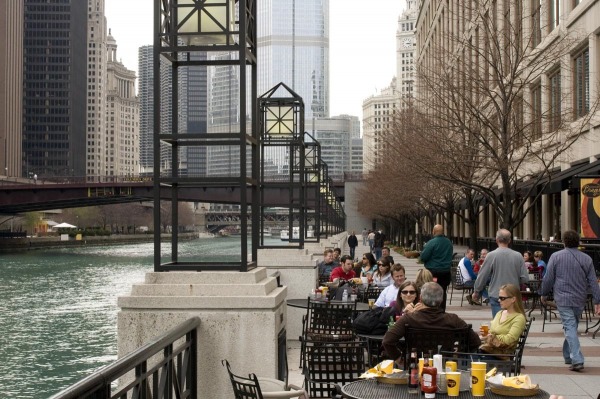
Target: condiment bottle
[(429, 382), (413, 378)]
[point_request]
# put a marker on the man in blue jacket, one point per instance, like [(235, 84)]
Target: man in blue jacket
[(437, 257)]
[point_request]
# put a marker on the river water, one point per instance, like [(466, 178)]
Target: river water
[(58, 309)]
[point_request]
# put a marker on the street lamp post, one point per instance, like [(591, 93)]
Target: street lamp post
[(183, 29), (281, 124)]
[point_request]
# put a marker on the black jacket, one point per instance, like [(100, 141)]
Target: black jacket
[(352, 241)]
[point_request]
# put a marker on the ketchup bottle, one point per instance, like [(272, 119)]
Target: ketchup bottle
[(429, 382)]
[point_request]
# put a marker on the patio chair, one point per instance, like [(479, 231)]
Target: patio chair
[(328, 365), (435, 340), (458, 284), (327, 322), (549, 309), (253, 387), (509, 364), (372, 292)]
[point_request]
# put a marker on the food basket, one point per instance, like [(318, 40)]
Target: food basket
[(394, 378), (503, 390)]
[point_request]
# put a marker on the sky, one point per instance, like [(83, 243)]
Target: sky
[(362, 46)]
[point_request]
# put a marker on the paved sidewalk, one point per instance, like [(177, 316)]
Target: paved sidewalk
[(542, 358)]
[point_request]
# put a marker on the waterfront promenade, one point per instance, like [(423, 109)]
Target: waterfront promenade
[(542, 358)]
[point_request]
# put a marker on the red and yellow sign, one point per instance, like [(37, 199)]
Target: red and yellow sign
[(590, 207)]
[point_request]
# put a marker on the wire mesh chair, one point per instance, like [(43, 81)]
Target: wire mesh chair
[(458, 284), (509, 364), (435, 340), (327, 322), (372, 292), (328, 364)]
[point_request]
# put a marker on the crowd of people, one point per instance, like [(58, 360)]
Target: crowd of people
[(496, 277)]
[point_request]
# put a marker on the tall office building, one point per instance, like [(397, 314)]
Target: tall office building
[(293, 42), (405, 51), (11, 86), (197, 112), (336, 135), (55, 84), (97, 163), (121, 153), (146, 98)]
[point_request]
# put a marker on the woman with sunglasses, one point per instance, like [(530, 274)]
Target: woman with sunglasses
[(368, 265), (508, 324), (382, 276), (407, 300)]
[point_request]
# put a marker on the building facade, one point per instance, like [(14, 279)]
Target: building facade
[(562, 93), (405, 51), (55, 83), (337, 135), (378, 111), (11, 87), (122, 151)]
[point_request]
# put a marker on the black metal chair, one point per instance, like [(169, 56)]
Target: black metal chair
[(435, 340), (372, 292), (531, 298), (549, 309), (328, 365), (458, 284), (254, 387), (509, 364), (327, 322)]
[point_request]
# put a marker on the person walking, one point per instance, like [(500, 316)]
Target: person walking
[(371, 239), (364, 234), (437, 257), (501, 266), (352, 243), (570, 276)]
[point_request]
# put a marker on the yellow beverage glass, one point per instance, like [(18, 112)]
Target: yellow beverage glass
[(371, 303), (421, 364), (453, 382), (451, 365), (478, 378)]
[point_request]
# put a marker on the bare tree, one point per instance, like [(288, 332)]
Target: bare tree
[(481, 120)]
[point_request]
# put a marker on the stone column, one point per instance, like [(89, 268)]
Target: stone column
[(241, 316), (546, 217)]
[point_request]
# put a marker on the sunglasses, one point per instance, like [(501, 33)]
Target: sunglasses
[(502, 298), (408, 292)]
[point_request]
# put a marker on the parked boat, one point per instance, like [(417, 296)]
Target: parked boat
[(266, 232), (223, 233), (285, 235)]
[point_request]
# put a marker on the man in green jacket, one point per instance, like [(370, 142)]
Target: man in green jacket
[(437, 257)]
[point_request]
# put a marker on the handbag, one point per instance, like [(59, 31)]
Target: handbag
[(494, 346)]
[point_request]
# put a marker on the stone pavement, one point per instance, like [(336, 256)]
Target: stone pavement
[(542, 358)]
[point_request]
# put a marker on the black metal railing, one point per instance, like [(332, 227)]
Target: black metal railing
[(174, 375)]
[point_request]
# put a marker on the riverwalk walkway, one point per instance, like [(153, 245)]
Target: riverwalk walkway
[(542, 358)]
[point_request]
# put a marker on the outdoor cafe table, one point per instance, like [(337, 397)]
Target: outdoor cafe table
[(372, 389), (303, 304)]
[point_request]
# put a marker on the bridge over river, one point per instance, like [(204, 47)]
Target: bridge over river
[(26, 195)]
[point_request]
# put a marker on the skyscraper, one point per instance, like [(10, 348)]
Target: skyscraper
[(11, 88), (55, 87), (122, 117), (293, 42)]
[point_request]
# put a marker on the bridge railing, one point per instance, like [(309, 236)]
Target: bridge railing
[(165, 367)]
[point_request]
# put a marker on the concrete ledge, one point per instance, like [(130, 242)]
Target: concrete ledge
[(251, 277)]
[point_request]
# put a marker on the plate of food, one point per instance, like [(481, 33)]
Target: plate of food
[(519, 385)]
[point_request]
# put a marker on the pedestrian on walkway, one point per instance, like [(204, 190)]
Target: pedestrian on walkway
[(371, 238), (364, 234), (501, 266), (352, 243), (570, 276), (437, 256)]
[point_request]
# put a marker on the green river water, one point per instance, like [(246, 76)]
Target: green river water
[(58, 309)]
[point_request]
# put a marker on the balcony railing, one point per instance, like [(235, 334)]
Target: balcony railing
[(164, 368)]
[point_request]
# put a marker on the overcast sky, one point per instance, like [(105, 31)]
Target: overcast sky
[(362, 45)]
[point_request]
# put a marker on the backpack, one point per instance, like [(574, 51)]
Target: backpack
[(373, 322)]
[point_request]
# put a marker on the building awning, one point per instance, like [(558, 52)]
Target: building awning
[(561, 181)]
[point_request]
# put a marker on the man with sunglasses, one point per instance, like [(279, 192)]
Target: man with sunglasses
[(570, 276)]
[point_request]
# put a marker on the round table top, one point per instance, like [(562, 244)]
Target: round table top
[(303, 303), (371, 389)]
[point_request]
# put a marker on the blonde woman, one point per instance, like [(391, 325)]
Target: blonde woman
[(508, 324), (423, 276)]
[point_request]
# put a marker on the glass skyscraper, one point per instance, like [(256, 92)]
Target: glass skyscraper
[(293, 42)]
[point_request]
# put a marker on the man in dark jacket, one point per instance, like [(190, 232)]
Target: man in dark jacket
[(429, 316), (352, 243), (437, 257)]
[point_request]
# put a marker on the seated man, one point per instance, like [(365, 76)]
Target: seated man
[(468, 275), (389, 294), (479, 263), (430, 316), (328, 264), (344, 272), (385, 251)]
